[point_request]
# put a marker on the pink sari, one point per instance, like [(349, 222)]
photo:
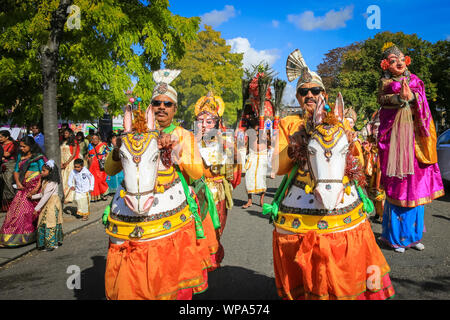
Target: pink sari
[(19, 227)]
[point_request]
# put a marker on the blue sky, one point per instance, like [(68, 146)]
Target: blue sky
[(270, 30)]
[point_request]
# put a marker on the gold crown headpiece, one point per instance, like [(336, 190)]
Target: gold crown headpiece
[(211, 104)]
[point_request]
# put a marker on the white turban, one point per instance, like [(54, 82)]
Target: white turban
[(162, 79)]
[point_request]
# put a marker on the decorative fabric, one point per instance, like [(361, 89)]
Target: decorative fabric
[(100, 185), (49, 231), (66, 153), (402, 227), (426, 182), (82, 201), (330, 266), (256, 171), (177, 252), (19, 226)]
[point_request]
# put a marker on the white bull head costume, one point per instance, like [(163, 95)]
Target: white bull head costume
[(139, 155), (151, 192), (327, 154), (330, 191)]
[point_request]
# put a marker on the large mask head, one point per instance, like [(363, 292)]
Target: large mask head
[(394, 60)]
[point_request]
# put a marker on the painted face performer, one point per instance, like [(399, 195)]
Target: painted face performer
[(158, 249), (372, 168), (322, 241), (407, 143), (220, 169), (350, 116)]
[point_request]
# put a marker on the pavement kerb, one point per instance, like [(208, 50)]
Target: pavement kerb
[(68, 228)]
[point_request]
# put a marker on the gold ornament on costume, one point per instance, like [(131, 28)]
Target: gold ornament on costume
[(137, 143), (328, 135), (211, 104)]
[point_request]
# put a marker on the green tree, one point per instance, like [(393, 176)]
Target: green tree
[(330, 68), (45, 63), (208, 65), (441, 76), (360, 71)]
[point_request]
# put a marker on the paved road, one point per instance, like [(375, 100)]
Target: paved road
[(247, 271)]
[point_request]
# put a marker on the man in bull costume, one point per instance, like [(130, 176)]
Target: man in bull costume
[(321, 252), (162, 258)]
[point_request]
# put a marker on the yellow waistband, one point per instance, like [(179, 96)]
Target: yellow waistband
[(31, 176), (215, 179), (147, 230), (301, 223)]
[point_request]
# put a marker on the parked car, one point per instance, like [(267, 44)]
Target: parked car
[(443, 151)]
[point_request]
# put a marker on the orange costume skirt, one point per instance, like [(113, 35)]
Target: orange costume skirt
[(169, 268), (340, 265)]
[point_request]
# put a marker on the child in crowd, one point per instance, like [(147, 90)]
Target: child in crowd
[(82, 182), (49, 227)]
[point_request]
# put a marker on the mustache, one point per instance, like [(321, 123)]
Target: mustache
[(310, 99), (158, 112)]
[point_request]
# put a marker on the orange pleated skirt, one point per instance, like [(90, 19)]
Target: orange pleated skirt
[(159, 269), (340, 265)]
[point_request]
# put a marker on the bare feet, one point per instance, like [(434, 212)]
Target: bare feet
[(261, 200), (248, 204)]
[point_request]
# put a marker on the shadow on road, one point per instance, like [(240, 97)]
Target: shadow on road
[(429, 289), (70, 210), (440, 216), (256, 211), (93, 281), (237, 283)]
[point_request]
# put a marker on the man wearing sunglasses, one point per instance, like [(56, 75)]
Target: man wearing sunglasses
[(309, 90), (172, 137)]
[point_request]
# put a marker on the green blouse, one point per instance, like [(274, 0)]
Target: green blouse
[(35, 166)]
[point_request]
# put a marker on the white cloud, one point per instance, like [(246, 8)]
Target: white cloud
[(251, 55), (447, 38), (289, 96), (216, 17), (330, 21), (275, 23)]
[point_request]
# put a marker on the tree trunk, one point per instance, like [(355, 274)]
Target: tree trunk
[(49, 65)]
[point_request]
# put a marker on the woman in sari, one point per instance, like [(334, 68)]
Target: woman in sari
[(10, 150), (70, 151), (407, 150), (97, 155), (113, 181), (19, 227), (83, 143)]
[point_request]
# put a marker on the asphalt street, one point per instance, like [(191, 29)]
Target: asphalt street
[(247, 270)]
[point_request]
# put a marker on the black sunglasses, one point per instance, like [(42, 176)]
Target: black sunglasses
[(304, 91), (167, 104)]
